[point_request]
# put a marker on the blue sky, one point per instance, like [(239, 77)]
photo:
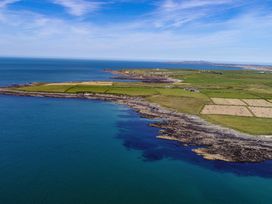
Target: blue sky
[(215, 30)]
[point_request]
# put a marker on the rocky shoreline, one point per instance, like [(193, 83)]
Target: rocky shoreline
[(214, 142), (123, 75)]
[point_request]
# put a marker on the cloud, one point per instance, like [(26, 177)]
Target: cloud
[(179, 5), (242, 37), (79, 7), (38, 35), (5, 3), (176, 13)]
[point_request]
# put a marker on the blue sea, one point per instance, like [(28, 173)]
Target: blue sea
[(72, 151)]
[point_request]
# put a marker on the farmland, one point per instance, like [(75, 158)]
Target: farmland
[(238, 99)]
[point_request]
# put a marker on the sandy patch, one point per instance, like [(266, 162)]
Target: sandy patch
[(226, 110), (258, 102), (228, 101), (261, 112), (89, 83)]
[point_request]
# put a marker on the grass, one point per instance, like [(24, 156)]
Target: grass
[(89, 89), (225, 84), (179, 92), (133, 91), (182, 104), (255, 126), (229, 93), (44, 88)]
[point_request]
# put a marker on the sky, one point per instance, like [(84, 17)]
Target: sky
[(172, 30)]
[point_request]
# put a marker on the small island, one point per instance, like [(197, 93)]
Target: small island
[(225, 115)]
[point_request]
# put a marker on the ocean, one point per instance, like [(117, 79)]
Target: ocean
[(73, 151)]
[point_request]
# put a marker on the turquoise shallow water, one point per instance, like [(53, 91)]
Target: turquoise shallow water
[(77, 151)]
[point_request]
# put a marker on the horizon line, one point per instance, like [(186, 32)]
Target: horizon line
[(140, 60)]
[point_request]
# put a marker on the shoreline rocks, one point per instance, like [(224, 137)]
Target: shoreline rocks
[(214, 142)]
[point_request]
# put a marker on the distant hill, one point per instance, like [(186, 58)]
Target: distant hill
[(243, 66)]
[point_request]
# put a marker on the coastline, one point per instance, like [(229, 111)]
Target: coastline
[(214, 142), (245, 66)]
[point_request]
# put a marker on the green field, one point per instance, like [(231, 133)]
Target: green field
[(240, 84), (255, 126)]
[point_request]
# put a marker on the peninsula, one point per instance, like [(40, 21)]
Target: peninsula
[(225, 115)]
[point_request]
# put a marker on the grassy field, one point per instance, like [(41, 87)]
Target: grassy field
[(88, 89), (44, 88), (240, 84), (182, 104), (255, 126)]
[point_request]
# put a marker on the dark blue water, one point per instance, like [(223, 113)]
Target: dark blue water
[(78, 151)]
